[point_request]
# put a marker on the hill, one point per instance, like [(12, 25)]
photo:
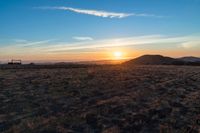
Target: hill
[(190, 59), (154, 60)]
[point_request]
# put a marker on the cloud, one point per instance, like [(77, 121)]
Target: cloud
[(21, 46), (49, 47), (80, 38), (99, 13), (121, 42), (36, 43), (190, 44), (25, 43)]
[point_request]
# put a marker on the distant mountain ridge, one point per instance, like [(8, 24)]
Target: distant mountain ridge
[(162, 60), (103, 62), (190, 59)]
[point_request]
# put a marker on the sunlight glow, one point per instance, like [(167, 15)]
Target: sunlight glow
[(118, 55)]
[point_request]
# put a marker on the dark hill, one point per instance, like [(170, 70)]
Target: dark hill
[(154, 60), (190, 59)]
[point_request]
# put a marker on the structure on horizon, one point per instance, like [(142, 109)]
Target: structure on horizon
[(15, 62)]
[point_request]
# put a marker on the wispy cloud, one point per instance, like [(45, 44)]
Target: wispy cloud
[(21, 46), (190, 44), (100, 13), (26, 43), (86, 43), (49, 47), (124, 42), (36, 43), (81, 38)]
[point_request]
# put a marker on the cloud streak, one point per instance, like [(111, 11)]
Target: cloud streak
[(30, 44), (99, 13), (81, 38), (190, 44), (49, 47), (21, 46), (124, 42)]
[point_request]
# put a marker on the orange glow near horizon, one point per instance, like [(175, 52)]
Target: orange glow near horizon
[(105, 54)]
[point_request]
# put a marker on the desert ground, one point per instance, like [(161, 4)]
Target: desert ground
[(100, 99)]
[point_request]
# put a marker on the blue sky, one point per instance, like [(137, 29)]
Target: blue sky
[(40, 24)]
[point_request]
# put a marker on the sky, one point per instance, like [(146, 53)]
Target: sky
[(76, 30)]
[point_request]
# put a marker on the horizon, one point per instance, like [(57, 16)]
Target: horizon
[(69, 31), (106, 61)]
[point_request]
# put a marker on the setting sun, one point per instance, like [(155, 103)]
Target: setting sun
[(118, 55)]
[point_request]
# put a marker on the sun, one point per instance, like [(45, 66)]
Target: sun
[(118, 54)]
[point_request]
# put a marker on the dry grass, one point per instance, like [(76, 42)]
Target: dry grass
[(106, 99)]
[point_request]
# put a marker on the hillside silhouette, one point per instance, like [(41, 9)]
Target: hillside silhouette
[(161, 60), (190, 59)]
